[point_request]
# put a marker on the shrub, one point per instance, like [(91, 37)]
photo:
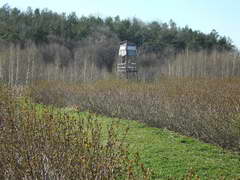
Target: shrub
[(207, 109), (40, 142)]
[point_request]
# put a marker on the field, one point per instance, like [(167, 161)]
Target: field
[(40, 142), (171, 155), (45, 133), (206, 109)]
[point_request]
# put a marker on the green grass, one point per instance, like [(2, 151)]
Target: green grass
[(171, 155), (168, 154)]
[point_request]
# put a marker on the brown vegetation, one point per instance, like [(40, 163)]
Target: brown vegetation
[(95, 58), (207, 109), (38, 142), (205, 64)]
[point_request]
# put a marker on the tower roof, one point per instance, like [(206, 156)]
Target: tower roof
[(128, 43)]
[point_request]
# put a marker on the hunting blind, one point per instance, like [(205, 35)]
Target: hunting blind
[(127, 62)]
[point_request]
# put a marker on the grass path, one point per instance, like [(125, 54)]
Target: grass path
[(171, 155)]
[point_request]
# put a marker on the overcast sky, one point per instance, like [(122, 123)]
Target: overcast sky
[(203, 15)]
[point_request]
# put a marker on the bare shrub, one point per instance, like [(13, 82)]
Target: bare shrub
[(39, 142), (207, 109)]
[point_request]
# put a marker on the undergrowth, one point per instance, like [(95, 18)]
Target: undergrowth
[(207, 109), (40, 142)]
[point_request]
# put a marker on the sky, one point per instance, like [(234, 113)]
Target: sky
[(202, 15)]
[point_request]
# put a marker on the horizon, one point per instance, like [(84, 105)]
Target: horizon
[(202, 16)]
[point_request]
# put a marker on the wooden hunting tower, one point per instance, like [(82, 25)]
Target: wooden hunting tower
[(127, 62)]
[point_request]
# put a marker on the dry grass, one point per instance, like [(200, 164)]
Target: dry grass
[(207, 109)]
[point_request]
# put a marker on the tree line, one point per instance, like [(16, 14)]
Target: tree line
[(45, 26), (42, 44)]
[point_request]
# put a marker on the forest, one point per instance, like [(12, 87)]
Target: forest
[(45, 26), (85, 48)]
